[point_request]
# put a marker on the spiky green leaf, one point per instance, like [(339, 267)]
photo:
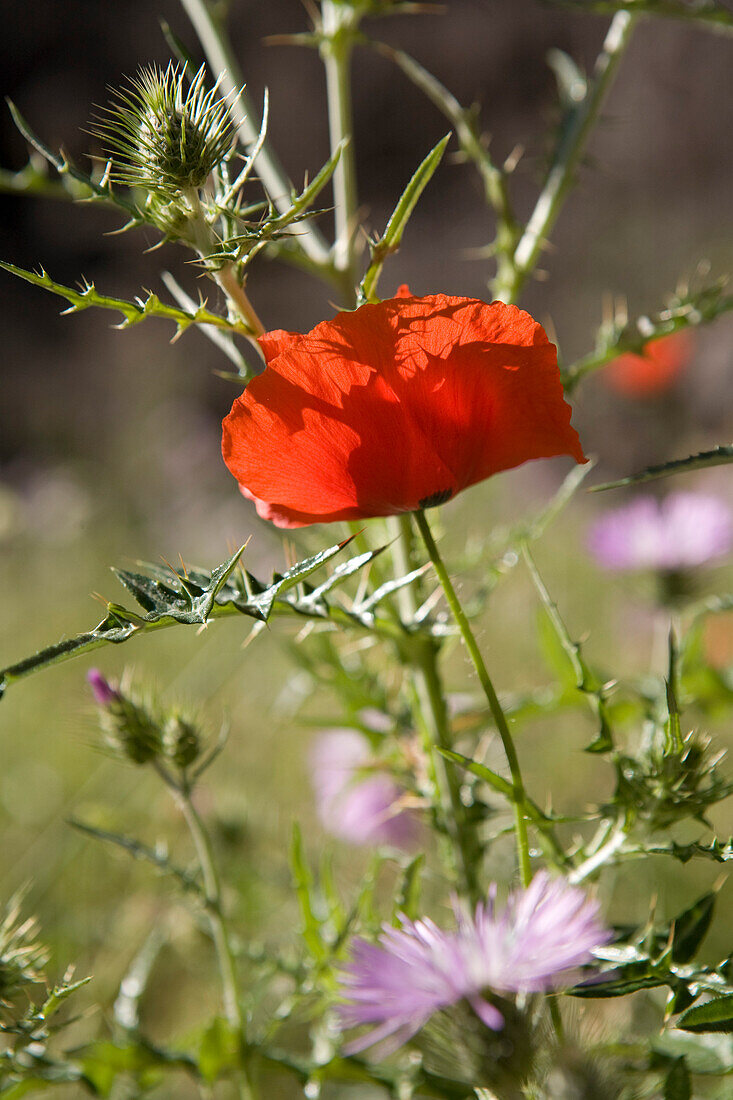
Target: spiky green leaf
[(193, 597), (132, 312), (719, 456), (391, 239)]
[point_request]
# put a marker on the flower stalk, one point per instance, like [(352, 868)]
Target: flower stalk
[(181, 793), (338, 23), (431, 716), (520, 821), (223, 65), (226, 275), (508, 285)]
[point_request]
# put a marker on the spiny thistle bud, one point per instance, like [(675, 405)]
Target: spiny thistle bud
[(22, 958), (129, 728), (181, 741), (664, 787), (166, 137)]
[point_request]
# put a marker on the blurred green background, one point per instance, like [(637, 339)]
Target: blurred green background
[(109, 442)]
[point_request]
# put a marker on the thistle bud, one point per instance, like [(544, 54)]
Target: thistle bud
[(181, 741), (166, 137), (129, 728), (22, 957)]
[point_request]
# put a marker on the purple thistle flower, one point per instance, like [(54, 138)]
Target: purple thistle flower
[(102, 690), (396, 985), (354, 805), (682, 531)]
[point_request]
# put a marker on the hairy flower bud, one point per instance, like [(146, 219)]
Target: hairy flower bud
[(166, 137), (181, 741), (129, 728)]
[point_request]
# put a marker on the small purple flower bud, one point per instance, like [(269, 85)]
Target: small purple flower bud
[(102, 690)]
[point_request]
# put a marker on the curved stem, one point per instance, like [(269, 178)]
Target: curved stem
[(520, 822)]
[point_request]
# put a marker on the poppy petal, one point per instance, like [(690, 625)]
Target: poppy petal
[(395, 406)]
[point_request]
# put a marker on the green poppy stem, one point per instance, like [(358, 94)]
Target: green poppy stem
[(428, 704), (520, 821)]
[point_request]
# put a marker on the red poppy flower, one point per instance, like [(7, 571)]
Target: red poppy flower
[(654, 370), (394, 407)]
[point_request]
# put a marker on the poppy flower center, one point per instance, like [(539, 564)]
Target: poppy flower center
[(434, 499)]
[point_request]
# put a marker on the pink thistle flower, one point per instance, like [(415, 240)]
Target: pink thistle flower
[(354, 804), (684, 530), (544, 932)]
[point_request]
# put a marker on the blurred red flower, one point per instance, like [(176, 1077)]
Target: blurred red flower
[(654, 370), (393, 407)]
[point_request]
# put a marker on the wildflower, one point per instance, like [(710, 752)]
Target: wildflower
[(394, 407), (418, 969), (652, 372), (684, 530), (354, 804)]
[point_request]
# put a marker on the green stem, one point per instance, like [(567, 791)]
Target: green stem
[(432, 718), (339, 22), (225, 276), (520, 822), (229, 282), (220, 935), (567, 156), (223, 65)]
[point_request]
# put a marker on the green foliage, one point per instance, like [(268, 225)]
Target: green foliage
[(132, 312), (709, 13), (714, 1015), (220, 1050), (193, 597), (156, 857), (719, 456), (677, 1084), (28, 1010), (688, 308), (654, 957), (391, 239), (248, 236), (377, 640), (585, 680), (75, 184), (22, 957)]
